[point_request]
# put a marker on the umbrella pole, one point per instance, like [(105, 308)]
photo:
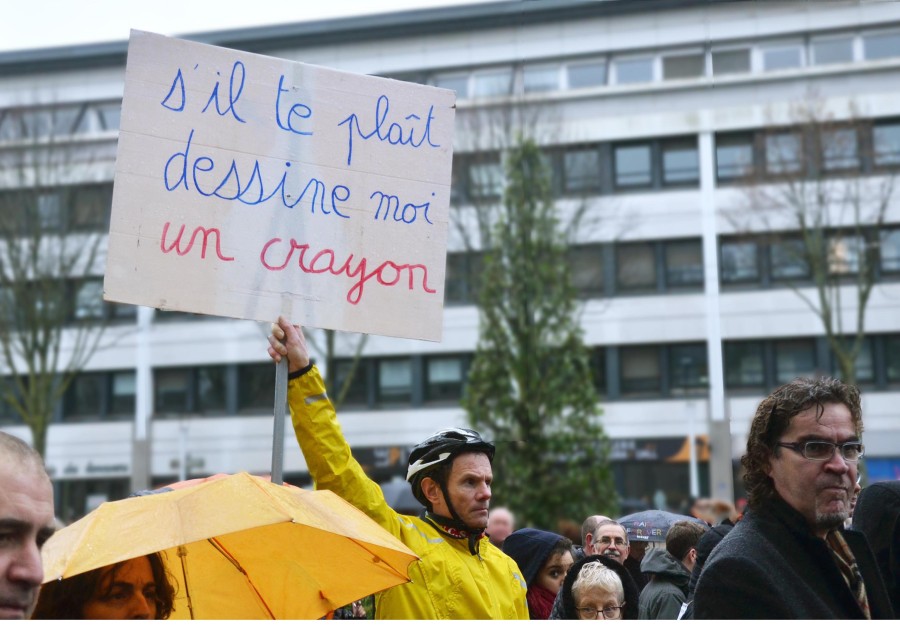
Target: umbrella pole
[(182, 552), (281, 372)]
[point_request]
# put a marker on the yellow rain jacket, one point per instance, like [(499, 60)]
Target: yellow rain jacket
[(447, 582)]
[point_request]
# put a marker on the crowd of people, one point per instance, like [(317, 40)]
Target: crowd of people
[(811, 543)]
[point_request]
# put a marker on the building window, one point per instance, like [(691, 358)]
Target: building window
[(788, 260), (881, 45), (734, 156), (793, 359), (839, 151), (733, 61), (598, 369), (886, 140), (119, 311), (783, 153), (490, 83), (8, 415), (864, 365), (581, 170), (844, 254), (455, 279), (172, 387), (586, 262), (638, 70), (680, 162), (39, 123), (892, 358), (485, 177), (256, 387), (191, 390), (635, 267), (740, 262), (832, 50), (99, 396), (633, 166), (540, 78), (89, 300), (90, 208), (356, 391), (462, 277), (109, 115), (684, 66), (124, 387), (890, 250), (49, 211), (394, 381), (84, 397), (586, 74), (688, 372), (640, 373), (459, 83), (444, 378), (211, 389), (782, 57), (744, 364), (684, 264)]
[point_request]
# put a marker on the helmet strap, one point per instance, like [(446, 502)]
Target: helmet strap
[(456, 521)]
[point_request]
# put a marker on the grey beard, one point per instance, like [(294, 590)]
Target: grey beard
[(832, 520)]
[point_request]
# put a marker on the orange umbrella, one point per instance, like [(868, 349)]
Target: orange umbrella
[(240, 547)]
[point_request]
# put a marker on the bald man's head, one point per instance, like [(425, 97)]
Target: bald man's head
[(26, 522), (588, 527)]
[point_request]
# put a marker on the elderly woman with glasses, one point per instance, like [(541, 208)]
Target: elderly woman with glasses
[(597, 588)]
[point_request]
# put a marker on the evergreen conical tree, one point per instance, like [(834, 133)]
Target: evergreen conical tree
[(530, 386)]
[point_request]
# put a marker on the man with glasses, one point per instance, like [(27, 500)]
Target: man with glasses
[(790, 556), (609, 539)]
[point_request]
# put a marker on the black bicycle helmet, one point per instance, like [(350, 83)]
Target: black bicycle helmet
[(438, 450)]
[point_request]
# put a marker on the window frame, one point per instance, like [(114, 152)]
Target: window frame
[(614, 77)]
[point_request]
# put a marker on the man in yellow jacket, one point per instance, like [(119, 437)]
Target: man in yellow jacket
[(459, 574)]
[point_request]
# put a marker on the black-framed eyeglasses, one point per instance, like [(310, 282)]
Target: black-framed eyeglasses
[(610, 612), (819, 450)]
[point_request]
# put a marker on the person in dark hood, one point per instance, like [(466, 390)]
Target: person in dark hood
[(670, 572), (544, 559), (569, 600), (877, 515), (705, 545)]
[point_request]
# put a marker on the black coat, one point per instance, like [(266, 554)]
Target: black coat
[(771, 566), (877, 515)]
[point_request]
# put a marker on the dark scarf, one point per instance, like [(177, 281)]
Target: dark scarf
[(540, 602)]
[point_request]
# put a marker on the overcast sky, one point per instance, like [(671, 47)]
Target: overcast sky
[(44, 23)]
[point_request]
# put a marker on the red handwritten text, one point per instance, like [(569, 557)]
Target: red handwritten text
[(176, 244), (276, 255)]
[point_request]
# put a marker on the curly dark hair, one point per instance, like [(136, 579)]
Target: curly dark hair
[(65, 599), (773, 418)]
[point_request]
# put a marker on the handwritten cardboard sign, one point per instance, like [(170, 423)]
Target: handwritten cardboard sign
[(248, 186)]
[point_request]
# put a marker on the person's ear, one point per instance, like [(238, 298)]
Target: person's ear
[(692, 555), (431, 490), (589, 542)]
